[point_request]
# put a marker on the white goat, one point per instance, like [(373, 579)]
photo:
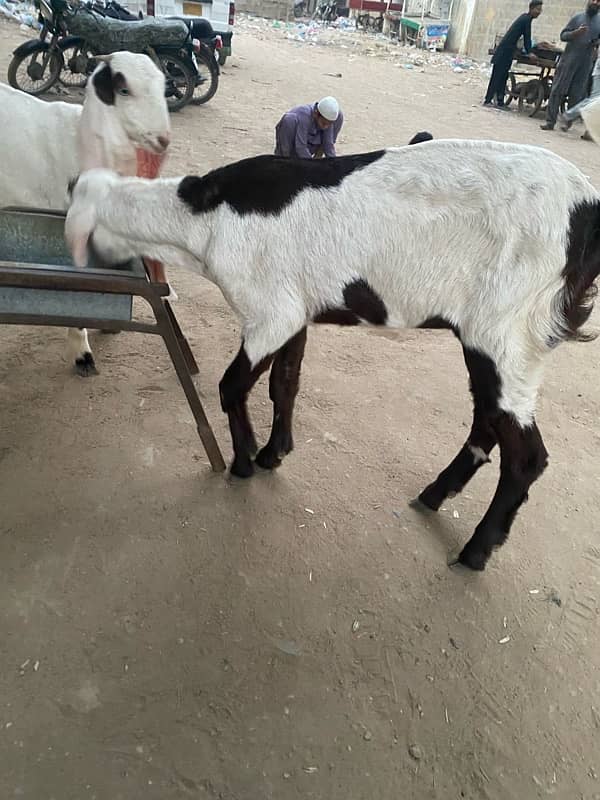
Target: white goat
[(46, 145), (499, 242)]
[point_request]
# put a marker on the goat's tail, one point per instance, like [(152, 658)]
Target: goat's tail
[(591, 119), (576, 298)]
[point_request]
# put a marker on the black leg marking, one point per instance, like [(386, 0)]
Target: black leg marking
[(235, 386), (362, 304), (86, 366), (283, 388), (523, 458), (366, 304), (485, 388)]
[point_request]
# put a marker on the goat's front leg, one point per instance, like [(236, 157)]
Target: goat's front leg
[(80, 351), (235, 386), (284, 383)]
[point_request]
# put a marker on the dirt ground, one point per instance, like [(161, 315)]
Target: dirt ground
[(168, 633)]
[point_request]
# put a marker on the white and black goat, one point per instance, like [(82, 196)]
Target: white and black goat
[(498, 242), (46, 145)]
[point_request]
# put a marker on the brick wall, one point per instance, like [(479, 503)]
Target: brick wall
[(491, 17)]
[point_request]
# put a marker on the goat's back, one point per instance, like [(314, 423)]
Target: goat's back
[(466, 230)]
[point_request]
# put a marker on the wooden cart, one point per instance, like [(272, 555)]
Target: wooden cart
[(531, 85)]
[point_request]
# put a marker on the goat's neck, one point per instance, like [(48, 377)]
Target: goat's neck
[(150, 215), (101, 140)]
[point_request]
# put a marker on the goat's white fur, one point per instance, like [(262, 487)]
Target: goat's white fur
[(474, 232), (48, 144)]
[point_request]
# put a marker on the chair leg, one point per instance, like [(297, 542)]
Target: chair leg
[(169, 334), (183, 342)]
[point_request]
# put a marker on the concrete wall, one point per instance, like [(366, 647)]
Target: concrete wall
[(271, 9), (462, 19), (491, 17)]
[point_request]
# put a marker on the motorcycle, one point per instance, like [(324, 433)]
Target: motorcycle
[(200, 30), (78, 36), (202, 48), (207, 59), (37, 64)]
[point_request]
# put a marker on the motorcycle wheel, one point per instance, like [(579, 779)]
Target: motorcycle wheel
[(29, 75), (207, 81), (180, 81), (79, 63)]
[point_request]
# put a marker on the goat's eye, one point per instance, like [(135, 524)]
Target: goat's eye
[(124, 91)]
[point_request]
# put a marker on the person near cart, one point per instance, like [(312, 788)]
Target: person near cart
[(309, 131), (573, 72), (505, 53)]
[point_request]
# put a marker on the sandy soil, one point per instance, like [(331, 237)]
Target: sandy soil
[(166, 633)]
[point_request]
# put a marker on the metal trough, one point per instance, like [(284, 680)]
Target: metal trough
[(39, 285)]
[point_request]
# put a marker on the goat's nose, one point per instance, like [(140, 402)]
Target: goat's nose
[(164, 141)]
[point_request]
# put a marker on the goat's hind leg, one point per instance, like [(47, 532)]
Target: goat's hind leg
[(485, 388), (284, 382), (80, 352), (523, 458), (234, 388)]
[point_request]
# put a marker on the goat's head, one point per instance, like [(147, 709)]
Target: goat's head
[(134, 87), (88, 192)]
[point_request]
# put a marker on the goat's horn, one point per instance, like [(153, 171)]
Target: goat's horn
[(107, 58)]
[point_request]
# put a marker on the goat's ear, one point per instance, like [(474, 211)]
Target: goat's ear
[(103, 85), (79, 225)]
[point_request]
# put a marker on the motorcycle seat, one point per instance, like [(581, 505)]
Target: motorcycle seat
[(108, 35)]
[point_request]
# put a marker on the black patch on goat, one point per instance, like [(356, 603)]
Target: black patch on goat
[(422, 136), (267, 184), (107, 83), (362, 304), (581, 270)]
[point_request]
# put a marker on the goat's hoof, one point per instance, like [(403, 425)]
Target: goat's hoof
[(242, 468), (86, 366), (268, 459), (418, 505), (472, 558), (430, 498)]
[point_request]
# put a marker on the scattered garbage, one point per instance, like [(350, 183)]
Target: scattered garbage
[(24, 14), (343, 34)]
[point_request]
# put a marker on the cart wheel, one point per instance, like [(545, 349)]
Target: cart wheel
[(538, 102)]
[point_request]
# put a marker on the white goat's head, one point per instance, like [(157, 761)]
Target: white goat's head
[(87, 193), (135, 87)]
